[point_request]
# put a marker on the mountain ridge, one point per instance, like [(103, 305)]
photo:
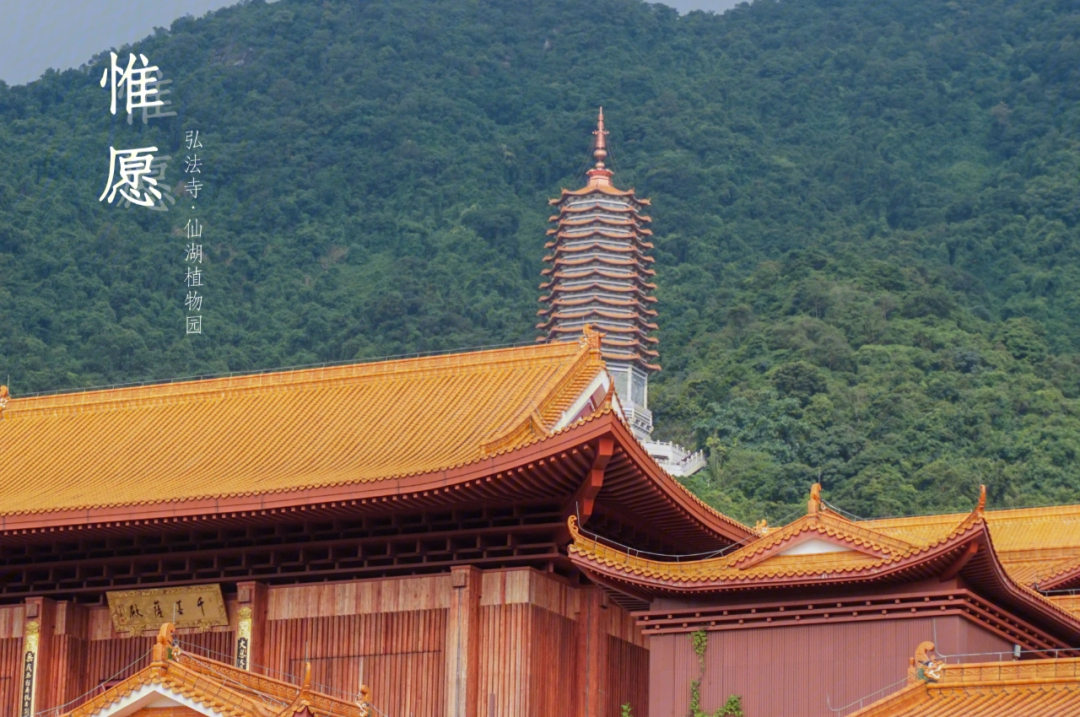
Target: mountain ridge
[(865, 220)]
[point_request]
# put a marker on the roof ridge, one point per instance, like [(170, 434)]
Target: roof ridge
[(293, 378), (531, 415), (1033, 512), (1035, 674)]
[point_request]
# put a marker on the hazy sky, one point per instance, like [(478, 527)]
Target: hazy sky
[(36, 35)]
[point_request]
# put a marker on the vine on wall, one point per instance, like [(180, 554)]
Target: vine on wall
[(732, 708)]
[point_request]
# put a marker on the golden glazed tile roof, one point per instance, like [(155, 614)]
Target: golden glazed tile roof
[(1027, 688), (278, 432), (1016, 529), (217, 686), (1035, 545), (860, 550)]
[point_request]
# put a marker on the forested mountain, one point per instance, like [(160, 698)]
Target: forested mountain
[(865, 213)]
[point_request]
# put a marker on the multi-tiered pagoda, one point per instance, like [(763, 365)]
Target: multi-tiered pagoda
[(600, 275)]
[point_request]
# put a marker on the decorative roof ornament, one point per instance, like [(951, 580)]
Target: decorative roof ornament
[(591, 338), (302, 705), (981, 507), (364, 703), (3, 399), (164, 649), (923, 667), (601, 175), (813, 506)]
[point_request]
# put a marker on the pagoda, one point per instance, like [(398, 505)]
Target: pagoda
[(600, 275)]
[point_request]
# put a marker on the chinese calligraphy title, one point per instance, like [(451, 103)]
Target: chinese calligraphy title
[(137, 176)]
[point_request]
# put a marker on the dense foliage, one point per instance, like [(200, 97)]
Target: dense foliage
[(865, 214)]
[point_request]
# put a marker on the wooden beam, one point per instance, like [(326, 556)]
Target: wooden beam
[(592, 654), (462, 648), (956, 567), (584, 500)]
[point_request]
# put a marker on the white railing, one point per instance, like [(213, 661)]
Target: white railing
[(675, 459)]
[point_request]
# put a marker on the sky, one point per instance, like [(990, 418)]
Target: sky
[(36, 35)]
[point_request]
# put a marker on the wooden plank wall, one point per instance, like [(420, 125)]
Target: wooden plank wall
[(392, 630), (87, 655), (529, 632), (627, 678), (628, 664), (391, 633), (400, 656)]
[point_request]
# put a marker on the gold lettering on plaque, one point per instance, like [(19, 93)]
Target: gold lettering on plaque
[(243, 638), (200, 606), (29, 676)]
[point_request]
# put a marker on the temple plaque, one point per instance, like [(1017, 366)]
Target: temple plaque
[(200, 606)]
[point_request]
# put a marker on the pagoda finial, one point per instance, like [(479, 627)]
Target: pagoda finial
[(600, 176), (600, 152)]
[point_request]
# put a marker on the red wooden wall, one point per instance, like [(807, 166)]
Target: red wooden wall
[(391, 633), (799, 671), (399, 655)]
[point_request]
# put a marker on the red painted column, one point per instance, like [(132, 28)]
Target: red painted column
[(592, 654), (462, 649), (34, 688), (251, 598)]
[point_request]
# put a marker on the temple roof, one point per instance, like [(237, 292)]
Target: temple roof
[(177, 682), (492, 427), (1032, 688), (280, 432), (824, 548), (819, 543), (1036, 545)]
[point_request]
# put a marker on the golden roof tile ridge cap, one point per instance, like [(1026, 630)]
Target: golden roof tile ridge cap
[(843, 529), (993, 516), (294, 378), (242, 676), (970, 674)]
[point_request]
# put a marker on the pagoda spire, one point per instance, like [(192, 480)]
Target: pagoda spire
[(600, 175), (600, 152)]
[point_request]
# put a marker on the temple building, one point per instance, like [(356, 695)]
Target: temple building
[(821, 616), (600, 275), (405, 520)]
